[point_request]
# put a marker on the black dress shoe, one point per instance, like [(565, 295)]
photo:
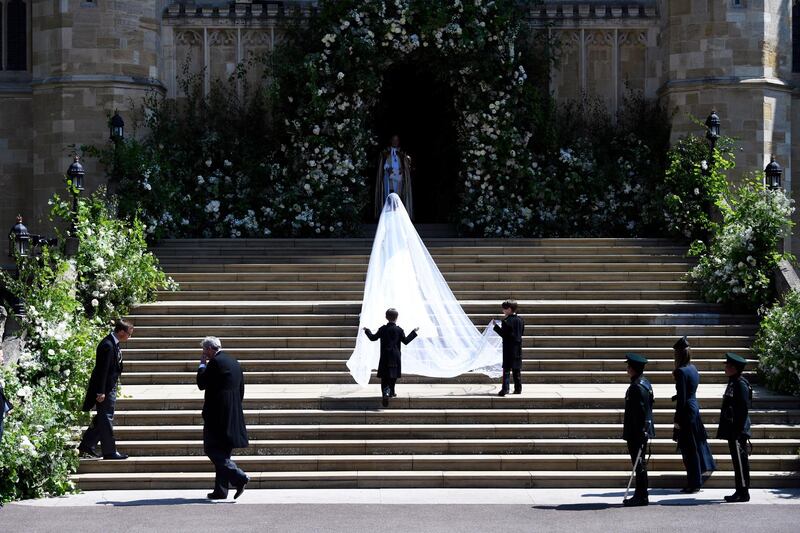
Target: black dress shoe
[(89, 451), (738, 497), (216, 496), (518, 391), (502, 393), (116, 456), (240, 488), (385, 401), (393, 395), (690, 490), (636, 501)]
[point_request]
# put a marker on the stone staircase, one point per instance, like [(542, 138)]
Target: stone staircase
[(288, 310)]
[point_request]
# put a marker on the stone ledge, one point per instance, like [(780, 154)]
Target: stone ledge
[(559, 10)]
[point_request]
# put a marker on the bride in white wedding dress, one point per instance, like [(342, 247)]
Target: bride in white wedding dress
[(403, 275)]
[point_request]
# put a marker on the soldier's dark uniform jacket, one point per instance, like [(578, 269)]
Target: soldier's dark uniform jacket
[(638, 420), (734, 419)]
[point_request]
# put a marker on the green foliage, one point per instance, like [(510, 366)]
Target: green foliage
[(693, 184), (736, 267), (290, 157), (598, 176), (778, 345), (62, 328)]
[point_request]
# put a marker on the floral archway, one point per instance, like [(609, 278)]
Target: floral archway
[(329, 101)]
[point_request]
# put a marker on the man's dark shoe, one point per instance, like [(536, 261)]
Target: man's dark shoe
[(116, 456), (738, 497), (636, 501), (216, 496), (393, 395), (518, 391), (385, 401), (88, 451), (240, 488), (502, 393), (690, 490)]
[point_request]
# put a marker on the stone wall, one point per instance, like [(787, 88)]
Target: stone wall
[(89, 58)]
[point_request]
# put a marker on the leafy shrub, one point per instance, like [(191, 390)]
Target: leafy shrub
[(737, 266), (778, 345), (62, 328)]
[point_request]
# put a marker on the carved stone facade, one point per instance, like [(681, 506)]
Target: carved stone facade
[(89, 57)]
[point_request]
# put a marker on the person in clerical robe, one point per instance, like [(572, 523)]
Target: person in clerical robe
[(394, 176)]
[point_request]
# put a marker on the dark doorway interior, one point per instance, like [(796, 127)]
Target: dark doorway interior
[(419, 107)]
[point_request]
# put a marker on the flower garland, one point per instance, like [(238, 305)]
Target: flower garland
[(328, 130)]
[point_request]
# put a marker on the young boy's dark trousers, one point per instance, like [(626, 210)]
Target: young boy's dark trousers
[(387, 386), (507, 379)]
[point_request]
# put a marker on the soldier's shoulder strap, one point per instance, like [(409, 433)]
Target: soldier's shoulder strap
[(748, 387), (647, 388)]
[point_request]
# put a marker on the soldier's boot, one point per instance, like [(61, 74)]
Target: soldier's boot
[(636, 501), (740, 496)]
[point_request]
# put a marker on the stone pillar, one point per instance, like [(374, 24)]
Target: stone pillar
[(16, 136), (731, 58), (89, 58)]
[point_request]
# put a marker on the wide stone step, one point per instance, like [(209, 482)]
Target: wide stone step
[(342, 354), (186, 417), (366, 241), (427, 431), (597, 341), (428, 479), (456, 286), (481, 319), (435, 250), (533, 330), (609, 396), (452, 277), (344, 377), (338, 365), (498, 463), (296, 267), (470, 307), (463, 252), (422, 479), (499, 295), (440, 446)]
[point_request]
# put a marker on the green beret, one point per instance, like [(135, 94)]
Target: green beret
[(635, 358), (736, 359)]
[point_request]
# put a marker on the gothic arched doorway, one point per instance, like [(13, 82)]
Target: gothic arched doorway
[(419, 108)]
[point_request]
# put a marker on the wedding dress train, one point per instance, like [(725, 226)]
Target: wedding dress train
[(403, 275)]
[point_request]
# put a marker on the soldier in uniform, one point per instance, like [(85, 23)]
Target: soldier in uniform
[(734, 424), (638, 425)]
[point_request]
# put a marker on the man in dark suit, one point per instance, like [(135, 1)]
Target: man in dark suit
[(389, 367), (511, 330), (224, 429), (102, 393)]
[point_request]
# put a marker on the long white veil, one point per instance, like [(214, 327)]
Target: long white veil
[(403, 275)]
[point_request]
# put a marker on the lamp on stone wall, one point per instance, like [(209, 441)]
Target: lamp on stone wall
[(18, 239), (116, 127), (713, 129), (75, 175), (773, 174)]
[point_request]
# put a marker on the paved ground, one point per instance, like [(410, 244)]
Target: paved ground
[(404, 510)]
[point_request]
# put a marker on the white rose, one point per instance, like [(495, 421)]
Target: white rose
[(95, 303)]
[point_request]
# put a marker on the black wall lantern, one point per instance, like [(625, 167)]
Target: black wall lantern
[(116, 127), (773, 174), (75, 173), (18, 239)]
